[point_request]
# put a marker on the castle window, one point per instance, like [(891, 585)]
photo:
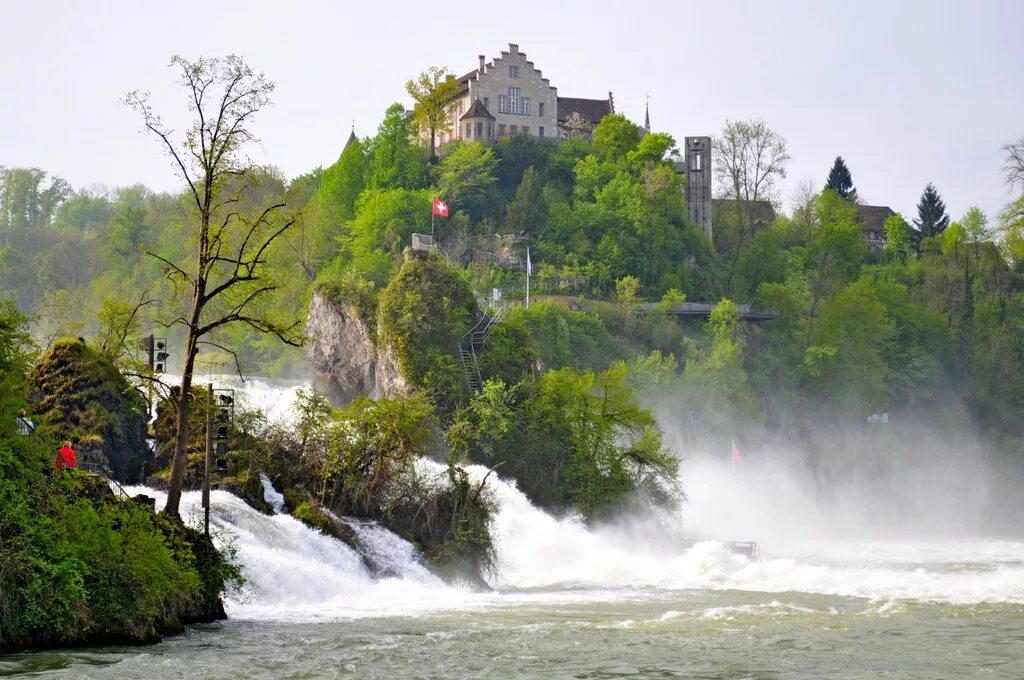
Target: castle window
[(526, 129), (487, 103), (513, 99), (490, 131), (513, 71), (526, 106), (501, 129), (695, 162), (540, 130), (469, 131), (502, 104), (540, 110), (479, 130), (515, 129)]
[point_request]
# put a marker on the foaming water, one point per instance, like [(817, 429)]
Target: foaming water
[(536, 550), (296, 573)]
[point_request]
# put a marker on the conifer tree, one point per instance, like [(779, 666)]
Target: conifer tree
[(932, 219), (840, 181)]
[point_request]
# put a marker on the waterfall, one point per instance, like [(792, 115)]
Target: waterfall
[(294, 572)]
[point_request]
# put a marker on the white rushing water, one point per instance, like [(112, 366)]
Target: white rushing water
[(296, 573)]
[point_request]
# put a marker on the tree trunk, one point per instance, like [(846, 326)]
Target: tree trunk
[(182, 431)]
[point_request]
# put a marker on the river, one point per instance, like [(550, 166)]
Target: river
[(625, 600)]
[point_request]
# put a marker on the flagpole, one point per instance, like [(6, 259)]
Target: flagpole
[(431, 222), (528, 277)]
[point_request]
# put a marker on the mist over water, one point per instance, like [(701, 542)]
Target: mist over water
[(895, 553)]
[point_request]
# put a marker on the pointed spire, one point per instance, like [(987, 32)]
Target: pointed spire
[(351, 136), (647, 114)]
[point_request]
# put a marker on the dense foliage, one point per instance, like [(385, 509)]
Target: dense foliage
[(928, 328), (78, 564)]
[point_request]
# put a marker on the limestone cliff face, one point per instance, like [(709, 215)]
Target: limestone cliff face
[(341, 348)]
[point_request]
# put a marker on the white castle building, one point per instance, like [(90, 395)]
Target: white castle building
[(510, 96)]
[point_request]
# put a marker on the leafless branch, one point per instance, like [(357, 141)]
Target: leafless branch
[(234, 356)]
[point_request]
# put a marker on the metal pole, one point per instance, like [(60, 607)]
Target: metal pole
[(206, 471), (528, 266)]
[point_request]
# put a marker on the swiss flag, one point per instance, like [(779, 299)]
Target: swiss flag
[(440, 207)]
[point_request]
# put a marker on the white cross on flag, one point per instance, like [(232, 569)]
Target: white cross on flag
[(440, 207)]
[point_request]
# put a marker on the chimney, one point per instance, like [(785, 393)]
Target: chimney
[(513, 48), (482, 59)]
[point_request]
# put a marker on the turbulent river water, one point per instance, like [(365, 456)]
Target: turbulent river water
[(626, 600)]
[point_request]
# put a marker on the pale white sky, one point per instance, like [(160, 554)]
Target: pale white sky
[(907, 92)]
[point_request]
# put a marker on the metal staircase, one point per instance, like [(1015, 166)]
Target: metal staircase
[(476, 340)]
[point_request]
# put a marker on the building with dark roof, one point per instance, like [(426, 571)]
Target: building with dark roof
[(578, 117), (872, 219)]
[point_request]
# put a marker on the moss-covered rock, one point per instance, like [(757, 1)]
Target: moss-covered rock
[(424, 312), (83, 397)]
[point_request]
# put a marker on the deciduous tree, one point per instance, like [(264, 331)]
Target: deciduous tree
[(434, 92), (226, 279), (750, 159)]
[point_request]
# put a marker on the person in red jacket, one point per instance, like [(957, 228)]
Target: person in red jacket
[(65, 458)]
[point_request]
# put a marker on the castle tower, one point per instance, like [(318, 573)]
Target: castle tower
[(698, 182)]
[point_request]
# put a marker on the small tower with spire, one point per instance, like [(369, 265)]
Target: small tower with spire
[(647, 115)]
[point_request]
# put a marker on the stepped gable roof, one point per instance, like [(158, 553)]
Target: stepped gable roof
[(873, 217), (477, 110), (592, 110)]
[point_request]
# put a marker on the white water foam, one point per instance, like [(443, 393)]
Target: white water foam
[(536, 550), (272, 495), (297, 573)]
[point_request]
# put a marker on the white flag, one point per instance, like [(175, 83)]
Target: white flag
[(529, 265)]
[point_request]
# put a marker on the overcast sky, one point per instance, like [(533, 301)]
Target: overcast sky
[(906, 92)]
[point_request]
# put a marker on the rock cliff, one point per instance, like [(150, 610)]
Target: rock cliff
[(84, 398), (342, 349)]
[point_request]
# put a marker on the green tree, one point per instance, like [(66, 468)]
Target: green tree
[(932, 219), (434, 93), (897, 235), (26, 201), (615, 136), (717, 376), (466, 179), (393, 160), (751, 159), (652, 148), (84, 212), (627, 295), (836, 248), (342, 183), (528, 212), (846, 362), (226, 280), (840, 181)]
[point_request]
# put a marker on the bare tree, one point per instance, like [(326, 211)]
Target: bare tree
[(227, 279), (750, 160), (1013, 169)]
